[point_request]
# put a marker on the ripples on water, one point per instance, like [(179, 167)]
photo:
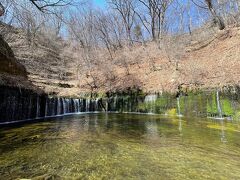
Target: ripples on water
[(120, 146)]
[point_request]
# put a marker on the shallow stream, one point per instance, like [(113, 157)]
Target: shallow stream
[(121, 146)]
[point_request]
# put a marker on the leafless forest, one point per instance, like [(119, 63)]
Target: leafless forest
[(126, 44)]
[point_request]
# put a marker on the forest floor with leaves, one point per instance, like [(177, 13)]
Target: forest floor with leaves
[(58, 67)]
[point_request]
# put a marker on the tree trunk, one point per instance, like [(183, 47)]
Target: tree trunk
[(2, 9), (218, 19)]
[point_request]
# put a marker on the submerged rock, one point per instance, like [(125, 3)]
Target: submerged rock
[(48, 177)]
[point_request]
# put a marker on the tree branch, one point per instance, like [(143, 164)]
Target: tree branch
[(2, 9), (46, 4)]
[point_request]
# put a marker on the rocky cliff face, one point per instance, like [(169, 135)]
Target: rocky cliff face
[(49, 67), (8, 63), (19, 98), (12, 72)]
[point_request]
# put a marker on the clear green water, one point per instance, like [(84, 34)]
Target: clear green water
[(121, 146)]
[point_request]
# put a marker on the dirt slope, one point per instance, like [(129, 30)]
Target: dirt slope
[(57, 67), (215, 63), (13, 73)]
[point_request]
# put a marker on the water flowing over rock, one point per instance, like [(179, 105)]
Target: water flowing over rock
[(151, 99), (21, 104), (219, 104), (178, 106)]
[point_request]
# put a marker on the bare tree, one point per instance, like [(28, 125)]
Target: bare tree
[(138, 33), (30, 21), (218, 19), (117, 29), (208, 4), (104, 32), (156, 10), (2, 9), (126, 10), (43, 5)]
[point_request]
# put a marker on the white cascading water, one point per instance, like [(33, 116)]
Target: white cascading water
[(151, 99), (106, 106), (115, 102), (96, 104), (46, 108), (81, 104), (38, 108), (219, 105), (53, 106), (67, 105), (88, 105), (76, 105), (178, 106), (58, 106), (29, 107)]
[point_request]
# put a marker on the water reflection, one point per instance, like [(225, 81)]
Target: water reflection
[(120, 146), (180, 125), (223, 137)]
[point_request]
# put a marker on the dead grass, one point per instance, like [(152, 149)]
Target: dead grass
[(206, 59)]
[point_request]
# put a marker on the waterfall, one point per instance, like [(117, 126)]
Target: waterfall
[(151, 99), (79, 103), (63, 105), (76, 105), (178, 107), (23, 104), (96, 104), (106, 107), (38, 108), (20, 105), (53, 106), (29, 108), (58, 106), (67, 105), (70, 109), (46, 108), (219, 105), (88, 102), (81, 106), (115, 103)]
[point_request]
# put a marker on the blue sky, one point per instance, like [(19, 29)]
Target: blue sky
[(100, 3)]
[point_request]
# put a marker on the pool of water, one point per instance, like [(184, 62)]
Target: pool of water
[(121, 146)]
